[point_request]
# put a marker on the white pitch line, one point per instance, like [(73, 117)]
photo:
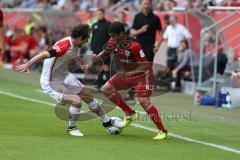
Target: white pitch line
[(26, 98), (221, 147), (225, 148)]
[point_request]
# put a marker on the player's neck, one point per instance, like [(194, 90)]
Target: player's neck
[(146, 13)]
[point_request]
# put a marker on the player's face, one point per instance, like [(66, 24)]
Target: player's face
[(146, 6), (81, 41), (100, 15), (117, 37)]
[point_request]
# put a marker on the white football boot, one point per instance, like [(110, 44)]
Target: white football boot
[(74, 131)]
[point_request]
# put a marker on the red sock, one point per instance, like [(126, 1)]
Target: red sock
[(117, 99), (153, 114)]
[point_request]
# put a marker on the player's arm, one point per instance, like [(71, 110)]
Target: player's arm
[(160, 34), (82, 63), (143, 67), (38, 58), (109, 49), (58, 50), (103, 55), (139, 56), (135, 31)]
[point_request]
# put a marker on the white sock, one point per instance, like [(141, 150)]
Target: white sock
[(96, 108), (74, 113)]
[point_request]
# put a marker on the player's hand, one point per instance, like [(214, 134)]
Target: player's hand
[(85, 68), (23, 68), (144, 28), (95, 58), (156, 48)]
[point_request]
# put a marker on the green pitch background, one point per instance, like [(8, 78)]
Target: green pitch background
[(31, 130)]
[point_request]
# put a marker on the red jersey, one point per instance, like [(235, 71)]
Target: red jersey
[(129, 53)]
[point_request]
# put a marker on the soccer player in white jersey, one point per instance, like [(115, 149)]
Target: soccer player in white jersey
[(55, 69)]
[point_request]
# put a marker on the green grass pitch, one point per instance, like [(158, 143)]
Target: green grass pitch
[(31, 131)]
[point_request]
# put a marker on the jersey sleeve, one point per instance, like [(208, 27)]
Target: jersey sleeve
[(138, 53), (61, 47)]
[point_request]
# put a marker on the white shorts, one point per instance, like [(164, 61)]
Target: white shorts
[(57, 89)]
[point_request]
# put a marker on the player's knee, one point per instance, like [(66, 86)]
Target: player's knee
[(104, 90), (76, 101), (107, 89), (87, 96)]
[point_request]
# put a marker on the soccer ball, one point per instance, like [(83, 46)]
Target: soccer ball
[(117, 127)]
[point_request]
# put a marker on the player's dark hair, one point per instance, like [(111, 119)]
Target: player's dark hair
[(81, 30), (116, 27)]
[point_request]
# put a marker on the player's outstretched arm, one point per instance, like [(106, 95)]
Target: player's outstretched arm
[(100, 57), (84, 66), (38, 58), (143, 67)]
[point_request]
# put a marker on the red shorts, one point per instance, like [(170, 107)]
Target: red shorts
[(142, 84)]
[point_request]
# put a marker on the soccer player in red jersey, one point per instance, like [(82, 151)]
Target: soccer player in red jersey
[(136, 72)]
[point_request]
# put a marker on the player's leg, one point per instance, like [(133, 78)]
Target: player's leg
[(74, 113), (75, 86), (60, 97), (87, 96), (144, 90), (152, 111), (110, 89)]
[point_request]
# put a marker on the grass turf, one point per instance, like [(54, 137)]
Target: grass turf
[(30, 130)]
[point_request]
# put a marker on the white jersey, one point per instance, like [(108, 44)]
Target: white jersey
[(56, 68)]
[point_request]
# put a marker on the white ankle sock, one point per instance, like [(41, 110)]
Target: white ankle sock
[(74, 113)]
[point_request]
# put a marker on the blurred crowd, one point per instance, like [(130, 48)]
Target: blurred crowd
[(74, 5), (21, 45)]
